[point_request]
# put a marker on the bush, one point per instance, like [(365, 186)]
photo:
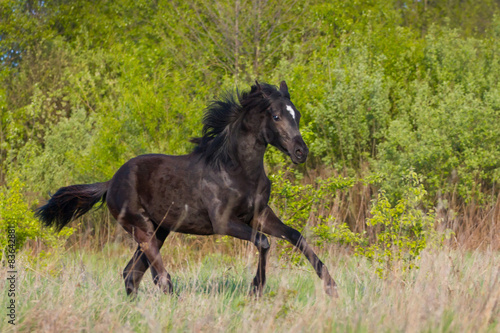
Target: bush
[(355, 109), (402, 230), (295, 203), (399, 231), (16, 214)]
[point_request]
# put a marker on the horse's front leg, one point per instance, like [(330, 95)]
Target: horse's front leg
[(238, 229), (260, 278), (267, 222), (232, 226)]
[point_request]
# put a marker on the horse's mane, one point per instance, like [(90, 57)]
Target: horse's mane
[(222, 120)]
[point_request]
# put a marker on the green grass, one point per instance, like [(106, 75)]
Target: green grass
[(82, 290)]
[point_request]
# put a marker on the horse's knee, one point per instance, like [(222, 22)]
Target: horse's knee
[(294, 236)]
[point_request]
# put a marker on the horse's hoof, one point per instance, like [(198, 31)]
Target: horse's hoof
[(132, 294), (255, 291), (331, 290), (166, 285), (169, 289)]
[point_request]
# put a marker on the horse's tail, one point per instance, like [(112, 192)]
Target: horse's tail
[(71, 202)]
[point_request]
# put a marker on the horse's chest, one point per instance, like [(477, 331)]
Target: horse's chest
[(242, 198), (250, 204), (246, 208)]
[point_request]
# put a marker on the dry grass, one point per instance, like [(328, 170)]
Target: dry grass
[(454, 290), (82, 290)]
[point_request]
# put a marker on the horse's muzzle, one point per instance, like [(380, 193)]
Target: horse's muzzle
[(300, 151)]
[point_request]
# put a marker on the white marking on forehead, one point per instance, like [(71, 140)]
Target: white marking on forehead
[(290, 109)]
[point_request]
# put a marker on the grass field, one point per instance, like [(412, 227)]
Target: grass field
[(82, 290)]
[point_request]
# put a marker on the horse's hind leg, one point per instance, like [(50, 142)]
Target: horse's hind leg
[(134, 271), (143, 231), (137, 266), (161, 235)]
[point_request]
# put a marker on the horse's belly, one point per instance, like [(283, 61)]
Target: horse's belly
[(188, 220), (194, 227)]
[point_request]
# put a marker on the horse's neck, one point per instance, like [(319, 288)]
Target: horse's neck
[(250, 152)]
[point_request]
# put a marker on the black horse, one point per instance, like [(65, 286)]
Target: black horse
[(220, 188)]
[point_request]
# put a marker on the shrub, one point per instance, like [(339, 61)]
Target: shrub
[(403, 229), (355, 109), (16, 214), (296, 203), (400, 231)]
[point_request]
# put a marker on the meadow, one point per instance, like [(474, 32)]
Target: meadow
[(81, 290)]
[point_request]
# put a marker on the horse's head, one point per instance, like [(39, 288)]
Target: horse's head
[(281, 124)]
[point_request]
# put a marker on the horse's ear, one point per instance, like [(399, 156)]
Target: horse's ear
[(284, 88)]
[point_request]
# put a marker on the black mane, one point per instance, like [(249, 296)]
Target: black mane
[(222, 120)]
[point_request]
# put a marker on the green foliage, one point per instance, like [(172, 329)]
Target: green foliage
[(383, 87), (296, 204), (355, 108), (328, 232), (472, 17), (64, 153), (403, 229), (16, 214), (378, 92), (399, 232), (447, 130)]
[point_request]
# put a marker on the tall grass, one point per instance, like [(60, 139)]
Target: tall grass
[(82, 290)]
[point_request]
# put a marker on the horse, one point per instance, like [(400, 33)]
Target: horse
[(219, 188)]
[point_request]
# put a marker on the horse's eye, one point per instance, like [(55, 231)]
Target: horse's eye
[(276, 118)]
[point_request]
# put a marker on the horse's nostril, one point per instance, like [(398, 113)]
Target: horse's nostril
[(299, 153)]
